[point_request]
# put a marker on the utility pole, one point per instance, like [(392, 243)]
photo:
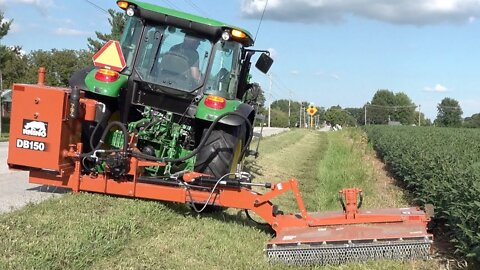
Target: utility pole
[(419, 113), (289, 100), (300, 115), (1, 101), (365, 114), (270, 99), (305, 120)]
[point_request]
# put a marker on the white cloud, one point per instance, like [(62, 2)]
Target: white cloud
[(408, 12), (327, 75), (273, 53), (294, 72), (62, 31), (14, 28), (335, 76), (438, 88), (41, 5)]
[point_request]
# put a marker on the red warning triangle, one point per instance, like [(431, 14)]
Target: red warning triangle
[(110, 56)]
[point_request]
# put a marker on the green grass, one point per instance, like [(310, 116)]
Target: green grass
[(4, 137), (104, 232)]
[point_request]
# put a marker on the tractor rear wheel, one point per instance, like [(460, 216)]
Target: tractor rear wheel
[(221, 152), (220, 155)]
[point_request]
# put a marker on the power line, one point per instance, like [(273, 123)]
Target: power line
[(290, 92), (97, 6), (449, 107), (390, 106), (172, 5), (196, 8), (261, 19)]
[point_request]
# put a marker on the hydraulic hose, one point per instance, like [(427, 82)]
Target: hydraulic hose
[(202, 142), (104, 135), (95, 130)]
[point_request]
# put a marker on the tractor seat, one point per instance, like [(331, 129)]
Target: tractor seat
[(174, 64)]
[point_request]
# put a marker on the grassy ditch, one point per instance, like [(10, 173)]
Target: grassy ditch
[(96, 231)]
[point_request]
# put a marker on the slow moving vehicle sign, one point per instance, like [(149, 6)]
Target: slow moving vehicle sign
[(110, 56)]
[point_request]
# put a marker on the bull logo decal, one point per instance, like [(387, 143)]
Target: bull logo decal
[(34, 128)]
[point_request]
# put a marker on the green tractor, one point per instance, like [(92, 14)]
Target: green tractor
[(183, 91)]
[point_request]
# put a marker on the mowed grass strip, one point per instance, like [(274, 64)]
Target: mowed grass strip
[(104, 232)]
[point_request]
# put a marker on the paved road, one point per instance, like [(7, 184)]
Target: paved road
[(15, 191), (268, 131)]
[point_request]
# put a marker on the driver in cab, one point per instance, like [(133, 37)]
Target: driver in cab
[(188, 48)]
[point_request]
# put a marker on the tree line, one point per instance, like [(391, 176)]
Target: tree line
[(17, 66), (386, 107)]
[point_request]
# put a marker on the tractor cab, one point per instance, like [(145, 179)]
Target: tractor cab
[(174, 57)]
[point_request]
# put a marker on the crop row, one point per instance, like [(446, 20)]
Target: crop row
[(440, 166)]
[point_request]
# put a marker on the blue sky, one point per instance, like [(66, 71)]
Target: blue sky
[(328, 52)]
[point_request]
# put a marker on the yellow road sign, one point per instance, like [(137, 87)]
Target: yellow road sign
[(311, 110)]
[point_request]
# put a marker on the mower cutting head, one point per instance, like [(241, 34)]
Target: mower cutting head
[(353, 235), (338, 244)]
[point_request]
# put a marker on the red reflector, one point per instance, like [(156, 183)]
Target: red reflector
[(215, 102), (106, 75)]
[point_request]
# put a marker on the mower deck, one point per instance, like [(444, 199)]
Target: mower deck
[(337, 244)]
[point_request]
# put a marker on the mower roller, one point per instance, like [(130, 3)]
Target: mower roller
[(149, 122)]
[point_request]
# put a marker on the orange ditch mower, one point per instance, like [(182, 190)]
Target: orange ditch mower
[(181, 137), (302, 238)]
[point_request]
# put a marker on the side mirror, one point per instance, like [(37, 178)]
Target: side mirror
[(264, 63)]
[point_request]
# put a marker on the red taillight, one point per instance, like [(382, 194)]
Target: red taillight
[(215, 102), (106, 75)]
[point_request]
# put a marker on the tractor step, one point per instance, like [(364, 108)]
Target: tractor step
[(252, 153)]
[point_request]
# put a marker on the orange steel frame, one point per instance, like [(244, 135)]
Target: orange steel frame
[(233, 197)]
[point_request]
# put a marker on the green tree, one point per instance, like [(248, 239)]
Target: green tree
[(60, 65), (358, 114), (15, 67), (4, 50), (335, 115), (472, 121), (387, 105), (117, 22), (380, 108), (423, 120), (295, 108), (404, 112), (449, 113), (278, 118)]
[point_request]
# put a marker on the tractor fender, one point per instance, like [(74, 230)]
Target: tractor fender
[(243, 109), (78, 78)]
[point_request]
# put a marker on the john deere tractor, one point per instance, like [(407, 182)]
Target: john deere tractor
[(181, 73)]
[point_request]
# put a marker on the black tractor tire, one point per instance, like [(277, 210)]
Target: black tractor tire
[(221, 152), (220, 155)]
